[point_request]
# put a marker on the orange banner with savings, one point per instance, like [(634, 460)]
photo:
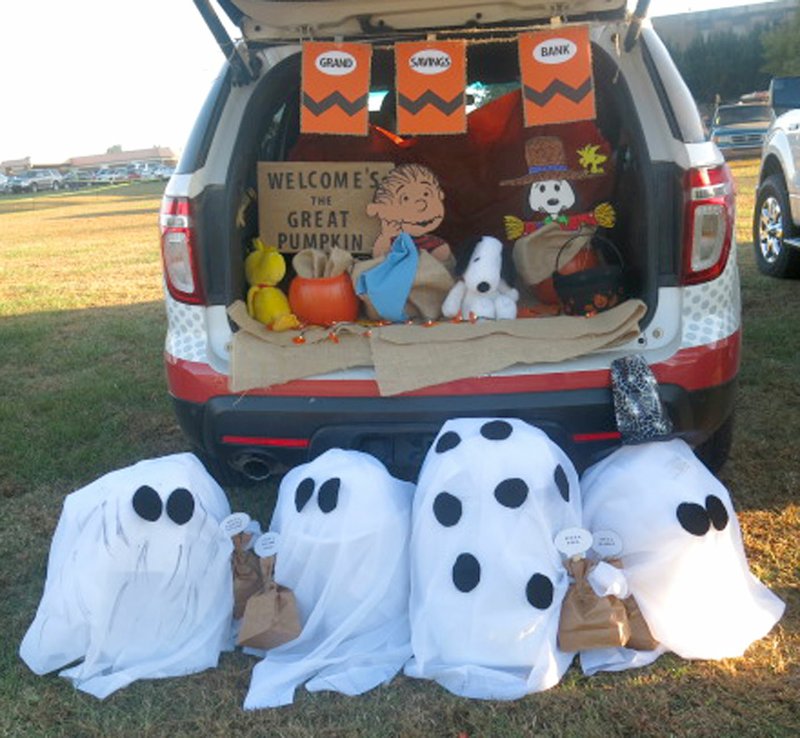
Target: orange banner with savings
[(557, 80), (335, 88), (431, 83)]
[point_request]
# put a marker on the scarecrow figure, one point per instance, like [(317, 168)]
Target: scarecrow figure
[(551, 190)]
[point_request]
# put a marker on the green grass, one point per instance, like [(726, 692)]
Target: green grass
[(83, 392)]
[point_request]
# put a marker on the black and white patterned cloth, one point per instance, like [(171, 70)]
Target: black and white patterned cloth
[(641, 416)]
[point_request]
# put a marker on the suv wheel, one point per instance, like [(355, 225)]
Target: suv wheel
[(771, 225), (716, 450)]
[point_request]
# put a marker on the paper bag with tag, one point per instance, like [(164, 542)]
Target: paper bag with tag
[(270, 616), (247, 576), (589, 621)]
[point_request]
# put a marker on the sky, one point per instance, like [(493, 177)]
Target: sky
[(80, 76)]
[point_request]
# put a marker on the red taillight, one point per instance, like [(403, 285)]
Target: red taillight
[(177, 250), (709, 214)]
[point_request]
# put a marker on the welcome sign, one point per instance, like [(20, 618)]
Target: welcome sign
[(431, 82), (557, 80), (318, 205), (335, 88)]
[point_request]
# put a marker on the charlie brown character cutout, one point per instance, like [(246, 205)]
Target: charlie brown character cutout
[(410, 200)]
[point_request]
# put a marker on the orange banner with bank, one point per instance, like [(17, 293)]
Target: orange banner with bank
[(335, 89), (431, 82), (557, 81)]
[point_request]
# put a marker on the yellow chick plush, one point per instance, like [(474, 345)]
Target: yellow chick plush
[(264, 267)]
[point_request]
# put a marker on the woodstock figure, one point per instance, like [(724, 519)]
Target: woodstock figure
[(482, 292), (264, 268)]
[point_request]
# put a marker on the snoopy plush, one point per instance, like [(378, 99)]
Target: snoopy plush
[(482, 292)]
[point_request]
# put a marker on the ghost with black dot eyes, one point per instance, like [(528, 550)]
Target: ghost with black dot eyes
[(139, 580), (343, 524), (486, 579), (682, 554)]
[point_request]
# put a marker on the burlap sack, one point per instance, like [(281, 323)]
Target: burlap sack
[(587, 621), (432, 282), (270, 616), (315, 264), (247, 577), (535, 255)]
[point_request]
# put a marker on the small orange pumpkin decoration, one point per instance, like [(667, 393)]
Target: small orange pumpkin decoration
[(324, 300)]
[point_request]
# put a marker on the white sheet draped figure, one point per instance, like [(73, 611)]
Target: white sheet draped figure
[(486, 579), (682, 554), (139, 579), (343, 524)]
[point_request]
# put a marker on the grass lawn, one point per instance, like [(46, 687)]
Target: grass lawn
[(83, 392)]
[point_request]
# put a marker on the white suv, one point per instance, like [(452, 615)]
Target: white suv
[(672, 191)]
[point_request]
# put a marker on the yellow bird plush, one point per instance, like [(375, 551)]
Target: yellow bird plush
[(264, 268)]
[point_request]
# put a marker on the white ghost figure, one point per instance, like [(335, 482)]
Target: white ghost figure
[(551, 196), (486, 579), (139, 580), (682, 554), (343, 524)]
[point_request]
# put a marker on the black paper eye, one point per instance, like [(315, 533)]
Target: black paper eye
[(539, 591), (693, 518), (496, 430), (466, 573), (147, 504), (511, 492), (303, 493), (447, 442), (717, 512), (447, 509), (180, 506), (329, 494), (562, 482)]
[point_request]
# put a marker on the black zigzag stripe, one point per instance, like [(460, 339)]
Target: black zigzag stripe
[(448, 107), (557, 87), (334, 99)]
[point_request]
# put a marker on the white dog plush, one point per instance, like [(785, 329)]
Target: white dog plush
[(482, 292)]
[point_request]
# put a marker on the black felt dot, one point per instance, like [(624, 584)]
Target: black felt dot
[(693, 518), (466, 573), (562, 482), (447, 509), (539, 591), (147, 504), (180, 506), (496, 430), (511, 492), (447, 442), (303, 493), (717, 512), (329, 494)]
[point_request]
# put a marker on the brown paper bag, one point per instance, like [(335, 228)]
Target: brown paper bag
[(247, 577), (587, 621), (315, 264), (270, 616), (535, 255), (641, 638), (432, 282)]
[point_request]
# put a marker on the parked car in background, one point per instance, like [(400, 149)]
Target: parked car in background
[(776, 218), (784, 94), (78, 179), (109, 175), (739, 129), (34, 180)]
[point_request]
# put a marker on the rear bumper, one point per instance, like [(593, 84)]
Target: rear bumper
[(286, 425)]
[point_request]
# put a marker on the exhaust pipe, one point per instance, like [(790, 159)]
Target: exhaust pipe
[(255, 465)]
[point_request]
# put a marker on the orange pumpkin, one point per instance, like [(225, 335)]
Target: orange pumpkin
[(545, 292), (324, 300)]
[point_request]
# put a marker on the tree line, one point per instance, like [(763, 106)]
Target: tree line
[(728, 65)]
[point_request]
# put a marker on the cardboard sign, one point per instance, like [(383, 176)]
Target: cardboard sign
[(431, 82), (557, 80), (335, 88), (318, 205)]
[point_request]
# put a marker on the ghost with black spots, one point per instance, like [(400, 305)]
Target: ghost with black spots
[(682, 554), (486, 579), (343, 523), (139, 580)]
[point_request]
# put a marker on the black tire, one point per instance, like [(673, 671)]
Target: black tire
[(715, 451), (772, 223)]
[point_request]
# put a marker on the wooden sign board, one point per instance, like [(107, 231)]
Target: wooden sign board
[(318, 205)]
